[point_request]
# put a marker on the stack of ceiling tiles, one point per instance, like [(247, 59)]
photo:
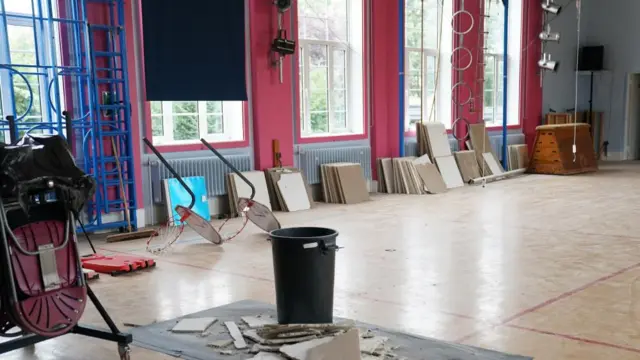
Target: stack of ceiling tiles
[(481, 145), (343, 183), (288, 189), (518, 157), (440, 151), (238, 188), (409, 175)]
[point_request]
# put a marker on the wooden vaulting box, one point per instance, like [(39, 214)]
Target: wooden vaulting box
[(553, 150)]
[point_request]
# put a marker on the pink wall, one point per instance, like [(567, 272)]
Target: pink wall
[(385, 107), (272, 101), (531, 91)]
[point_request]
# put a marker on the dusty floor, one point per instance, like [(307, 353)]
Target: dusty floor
[(540, 265)]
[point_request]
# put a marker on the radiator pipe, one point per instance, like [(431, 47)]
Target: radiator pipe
[(401, 79), (505, 66)]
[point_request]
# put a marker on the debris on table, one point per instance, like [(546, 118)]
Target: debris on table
[(193, 325), (373, 346), (238, 339), (257, 348), (220, 344), (267, 356), (259, 321)]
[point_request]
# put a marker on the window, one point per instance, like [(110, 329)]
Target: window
[(422, 77), (186, 122), (331, 87), (30, 47), (492, 109)]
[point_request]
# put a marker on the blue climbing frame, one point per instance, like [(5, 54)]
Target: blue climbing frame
[(77, 87)]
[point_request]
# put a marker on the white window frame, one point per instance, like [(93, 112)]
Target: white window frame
[(426, 104), (305, 101), (44, 35), (495, 118), (232, 124), (442, 110), (354, 85)]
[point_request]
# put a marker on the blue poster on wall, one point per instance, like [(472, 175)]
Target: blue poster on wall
[(176, 194)]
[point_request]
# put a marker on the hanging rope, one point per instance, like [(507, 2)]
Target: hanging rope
[(422, 74), (432, 110), (575, 107)]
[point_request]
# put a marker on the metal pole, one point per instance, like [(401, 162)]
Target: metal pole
[(505, 62), (401, 79)]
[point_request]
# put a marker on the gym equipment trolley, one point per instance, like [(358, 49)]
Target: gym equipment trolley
[(43, 292)]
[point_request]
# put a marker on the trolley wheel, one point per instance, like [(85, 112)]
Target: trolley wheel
[(124, 351)]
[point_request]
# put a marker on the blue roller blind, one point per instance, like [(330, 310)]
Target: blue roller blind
[(194, 50)]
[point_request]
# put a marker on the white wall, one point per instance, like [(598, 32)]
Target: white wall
[(614, 24)]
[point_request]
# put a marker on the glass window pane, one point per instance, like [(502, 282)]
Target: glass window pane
[(214, 107), (185, 127), (318, 79), (214, 124), (339, 100), (494, 26), (19, 6), (184, 107), (339, 70), (315, 28), (157, 125), (319, 122), (339, 120), (318, 101), (318, 56), (156, 107), (414, 61), (21, 45)]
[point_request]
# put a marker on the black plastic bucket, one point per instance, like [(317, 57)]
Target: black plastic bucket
[(304, 261)]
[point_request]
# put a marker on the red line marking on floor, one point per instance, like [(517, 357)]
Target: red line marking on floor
[(575, 338), (569, 293)]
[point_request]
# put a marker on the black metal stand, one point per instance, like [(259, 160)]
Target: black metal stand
[(113, 334), (589, 119)]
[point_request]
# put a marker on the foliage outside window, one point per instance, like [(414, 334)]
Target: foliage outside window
[(328, 54), (21, 36), (494, 64), (420, 86), (185, 122)]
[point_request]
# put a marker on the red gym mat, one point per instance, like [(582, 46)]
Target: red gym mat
[(116, 264)]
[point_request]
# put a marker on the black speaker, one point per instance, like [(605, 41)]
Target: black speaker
[(591, 58)]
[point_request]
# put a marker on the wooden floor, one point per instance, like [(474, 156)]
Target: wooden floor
[(540, 265)]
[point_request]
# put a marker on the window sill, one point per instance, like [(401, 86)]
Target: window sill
[(509, 127), (169, 148), (320, 138)]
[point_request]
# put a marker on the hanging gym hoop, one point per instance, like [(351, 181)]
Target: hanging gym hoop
[(453, 54), (454, 96), (453, 19), (453, 128)]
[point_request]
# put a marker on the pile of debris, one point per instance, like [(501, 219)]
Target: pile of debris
[(261, 337)]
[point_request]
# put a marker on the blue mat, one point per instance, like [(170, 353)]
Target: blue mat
[(158, 337)]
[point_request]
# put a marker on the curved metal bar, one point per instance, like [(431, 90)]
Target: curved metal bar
[(52, 105), (17, 243), (24, 78), (172, 171), (233, 168)]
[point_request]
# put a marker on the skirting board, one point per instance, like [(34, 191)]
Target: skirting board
[(614, 156)]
